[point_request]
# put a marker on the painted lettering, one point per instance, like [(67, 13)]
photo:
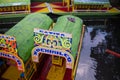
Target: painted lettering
[(51, 51), (2, 54), (51, 33)]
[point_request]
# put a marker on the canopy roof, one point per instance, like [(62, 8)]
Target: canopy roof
[(23, 32), (14, 2), (91, 2), (72, 25)]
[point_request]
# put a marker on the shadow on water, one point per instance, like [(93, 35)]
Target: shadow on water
[(95, 63)]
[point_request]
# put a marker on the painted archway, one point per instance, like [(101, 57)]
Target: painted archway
[(8, 49), (39, 49), (19, 62)]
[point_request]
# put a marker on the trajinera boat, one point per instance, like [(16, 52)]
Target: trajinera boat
[(39, 49)]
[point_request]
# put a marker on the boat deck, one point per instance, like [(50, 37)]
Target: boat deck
[(48, 7), (56, 72), (49, 71), (57, 7), (12, 70)]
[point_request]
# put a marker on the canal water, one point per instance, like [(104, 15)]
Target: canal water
[(94, 62)]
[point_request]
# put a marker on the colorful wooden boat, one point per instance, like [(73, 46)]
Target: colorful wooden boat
[(14, 6), (47, 53), (61, 7), (20, 56)]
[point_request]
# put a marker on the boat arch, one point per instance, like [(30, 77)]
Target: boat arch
[(44, 50), (13, 57)]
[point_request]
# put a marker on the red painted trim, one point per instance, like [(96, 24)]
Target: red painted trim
[(65, 9), (68, 74), (36, 9), (59, 3), (113, 53), (33, 4), (45, 68)]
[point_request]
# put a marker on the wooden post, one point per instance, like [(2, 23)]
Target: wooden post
[(68, 4), (63, 2)]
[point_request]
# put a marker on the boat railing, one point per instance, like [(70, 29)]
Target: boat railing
[(90, 10)]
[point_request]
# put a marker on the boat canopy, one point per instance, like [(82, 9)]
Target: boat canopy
[(72, 25), (14, 2), (23, 32), (92, 2)]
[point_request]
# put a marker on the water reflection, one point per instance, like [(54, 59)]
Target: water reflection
[(94, 63), (87, 65)]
